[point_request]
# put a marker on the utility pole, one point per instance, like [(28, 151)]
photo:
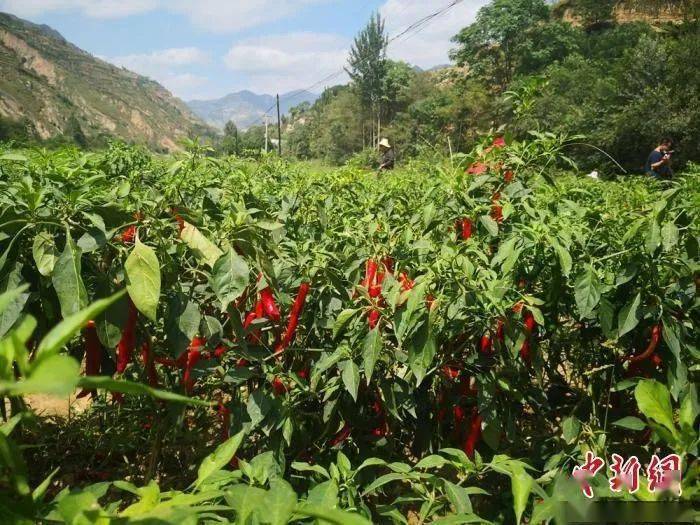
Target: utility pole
[(279, 127), (266, 134)]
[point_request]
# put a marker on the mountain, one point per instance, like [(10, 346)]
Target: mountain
[(55, 87), (246, 108), (623, 11)]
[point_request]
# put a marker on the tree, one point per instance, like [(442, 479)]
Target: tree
[(230, 142), (489, 45), (368, 66)]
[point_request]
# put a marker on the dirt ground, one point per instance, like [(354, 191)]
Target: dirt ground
[(57, 407)]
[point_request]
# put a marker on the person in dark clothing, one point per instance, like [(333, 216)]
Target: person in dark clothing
[(388, 156), (659, 162)]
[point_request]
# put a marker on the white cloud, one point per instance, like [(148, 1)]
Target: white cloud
[(147, 63), (430, 46), (282, 63), (91, 8), (168, 67), (210, 15), (234, 15)]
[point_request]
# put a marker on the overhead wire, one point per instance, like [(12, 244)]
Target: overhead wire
[(410, 31)]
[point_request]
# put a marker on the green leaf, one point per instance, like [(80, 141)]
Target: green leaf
[(56, 375), (67, 280), (342, 321), (11, 311), (223, 454), (387, 478), (564, 259), (421, 351), (205, 250), (571, 427), (127, 387), (587, 292), (330, 515), (458, 497), (324, 494), (631, 423), (258, 406), (689, 409), (654, 401), (653, 239), (143, 279), (182, 323), (247, 501), (521, 483), (669, 236), (229, 277), (490, 225), (351, 377), (64, 331), (44, 253), (431, 461), (371, 349), (628, 317), (8, 296), (280, 502)]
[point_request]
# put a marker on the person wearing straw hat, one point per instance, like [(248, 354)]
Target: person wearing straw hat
[(388, 156)]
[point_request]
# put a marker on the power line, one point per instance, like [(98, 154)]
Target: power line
[(412, 30)]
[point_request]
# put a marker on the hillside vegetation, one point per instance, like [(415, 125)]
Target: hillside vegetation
[(51, 89), (620, 74)]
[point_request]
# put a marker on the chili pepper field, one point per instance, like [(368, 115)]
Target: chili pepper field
[(271, 342)]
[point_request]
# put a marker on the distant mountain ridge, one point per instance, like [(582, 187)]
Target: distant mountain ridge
[(54, 87), (246, 108)]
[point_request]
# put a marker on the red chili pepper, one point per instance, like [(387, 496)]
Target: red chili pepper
[(149, 364), (370, 274), (259, 310), (269, 305), (220, 351), (485, 344), (508, 176), (464, 226), (388, 263), (93, 355), (127, 343), (254, 337), (373, 319), (225, 418), (450, 372), (341, 436), (279, 387), (526, 352), (477, 168), (653, 343), (406, 282), (529, 322), (500, 330), (497, 213), (518, 307), (473, 434), (242, 363), (194, 354), (499, 142), (430, 301), (128, 235), (458, 413), (294, 315), (303, 374)]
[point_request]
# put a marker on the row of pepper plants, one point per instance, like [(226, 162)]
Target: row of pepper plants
[(439, 344)]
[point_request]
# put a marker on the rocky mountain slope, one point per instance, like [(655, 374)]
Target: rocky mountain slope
[(55, 86), (245, 107), (625, 11)]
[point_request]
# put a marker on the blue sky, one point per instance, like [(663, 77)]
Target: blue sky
[(207, 48)]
